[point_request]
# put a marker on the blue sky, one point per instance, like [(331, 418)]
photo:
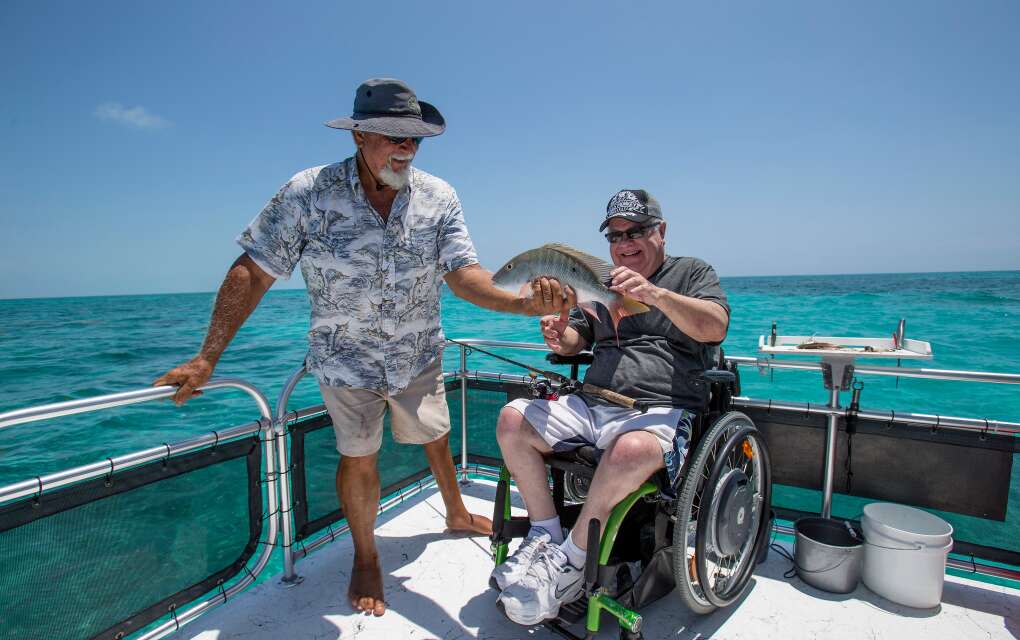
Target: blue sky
[(781, 137)]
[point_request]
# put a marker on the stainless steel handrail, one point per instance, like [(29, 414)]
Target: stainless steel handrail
[(991, 427), (527, 346), (897, 372), (833, 413), (42, 484), (290, 577), (84, 405)]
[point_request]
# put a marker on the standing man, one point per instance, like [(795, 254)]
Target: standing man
[(375, 237), (657, 357)]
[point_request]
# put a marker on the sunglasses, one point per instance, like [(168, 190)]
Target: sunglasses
[(396, 140), (632, 234)]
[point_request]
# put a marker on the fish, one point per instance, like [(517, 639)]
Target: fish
[(587, 275)]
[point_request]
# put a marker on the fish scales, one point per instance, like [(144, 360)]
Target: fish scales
[(587, 275)]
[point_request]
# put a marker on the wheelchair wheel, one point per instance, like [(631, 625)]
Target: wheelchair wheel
[(721, 514)]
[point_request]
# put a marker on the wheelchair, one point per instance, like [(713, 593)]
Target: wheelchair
[(703, 542)]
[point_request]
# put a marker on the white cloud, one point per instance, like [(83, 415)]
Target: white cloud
[(135, 117)]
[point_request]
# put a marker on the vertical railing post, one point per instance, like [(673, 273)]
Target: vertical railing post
[(290, 577), (837, 373), (463, 417), (831, 430)]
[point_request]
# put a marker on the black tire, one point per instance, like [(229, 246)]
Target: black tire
[(730, 431)]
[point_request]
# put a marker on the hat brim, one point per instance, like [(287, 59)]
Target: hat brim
[(639, 218), (430, 124)]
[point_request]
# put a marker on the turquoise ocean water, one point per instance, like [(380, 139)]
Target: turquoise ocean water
[(64, 348), (59, 349)]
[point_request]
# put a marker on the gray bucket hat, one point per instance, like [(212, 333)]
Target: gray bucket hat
[(389, 107), (636, 205)]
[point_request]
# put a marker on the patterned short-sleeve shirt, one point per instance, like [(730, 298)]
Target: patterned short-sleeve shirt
[(374, 286)]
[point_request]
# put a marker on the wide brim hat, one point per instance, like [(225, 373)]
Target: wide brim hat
[(389, 107)]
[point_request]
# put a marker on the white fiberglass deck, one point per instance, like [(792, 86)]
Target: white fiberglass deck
[(437, 587)]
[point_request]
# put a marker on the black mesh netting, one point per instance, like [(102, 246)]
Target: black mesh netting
[(315, 458), (110, 555)]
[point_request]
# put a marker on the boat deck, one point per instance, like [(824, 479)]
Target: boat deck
[(437, 587)]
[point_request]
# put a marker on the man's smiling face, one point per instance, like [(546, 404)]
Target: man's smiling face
[(643, 255)]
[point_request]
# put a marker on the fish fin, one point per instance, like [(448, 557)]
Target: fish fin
[(589, 308), (526, 291), (622, 308), (600, 268), (633, 307)]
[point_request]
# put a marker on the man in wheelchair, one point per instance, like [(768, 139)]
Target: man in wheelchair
[(654, 357)]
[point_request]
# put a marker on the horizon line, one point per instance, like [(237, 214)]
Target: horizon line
[(721, 278)]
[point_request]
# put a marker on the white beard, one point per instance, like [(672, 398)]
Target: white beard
[(395, 179)]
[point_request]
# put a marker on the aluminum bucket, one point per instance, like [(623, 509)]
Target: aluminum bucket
[(828, 554)]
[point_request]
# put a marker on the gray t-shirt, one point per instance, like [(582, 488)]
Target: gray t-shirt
[(655, 360)]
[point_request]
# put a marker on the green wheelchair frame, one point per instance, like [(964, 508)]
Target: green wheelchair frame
[(598, 599), (726, 474)]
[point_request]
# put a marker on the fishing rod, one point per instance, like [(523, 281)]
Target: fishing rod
[(606, 394)]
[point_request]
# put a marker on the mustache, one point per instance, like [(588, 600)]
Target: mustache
[(403, 157)]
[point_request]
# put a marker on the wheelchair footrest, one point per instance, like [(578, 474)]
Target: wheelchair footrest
[(515, 527)]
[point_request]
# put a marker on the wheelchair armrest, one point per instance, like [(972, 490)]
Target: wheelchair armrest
[(585, 357), (719, 375)]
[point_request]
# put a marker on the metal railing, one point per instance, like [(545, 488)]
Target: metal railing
[(274, 427), (765, 364), (78, 474), (833, 412)]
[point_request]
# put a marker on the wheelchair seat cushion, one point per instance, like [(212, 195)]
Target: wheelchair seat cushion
[(585, 455)]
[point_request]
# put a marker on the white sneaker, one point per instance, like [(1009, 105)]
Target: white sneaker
[(514, 568), (549, 582)]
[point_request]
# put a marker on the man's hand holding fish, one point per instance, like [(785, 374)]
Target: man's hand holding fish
[(632, 284), (549, 296)]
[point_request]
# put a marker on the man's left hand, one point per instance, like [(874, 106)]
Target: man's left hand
[(549, 297), (634, 285)]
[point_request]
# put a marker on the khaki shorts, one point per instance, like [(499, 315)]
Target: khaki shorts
[(418, 414)]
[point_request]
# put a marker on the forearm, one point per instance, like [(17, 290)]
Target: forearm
[(474, 284), (241, 291), (703, 320)]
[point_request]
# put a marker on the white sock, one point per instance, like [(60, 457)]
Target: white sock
[(575, 554), (550, 526)]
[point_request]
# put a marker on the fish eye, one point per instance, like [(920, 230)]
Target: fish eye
[(509, 267)]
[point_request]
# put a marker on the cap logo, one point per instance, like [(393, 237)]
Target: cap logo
[(625, 202), (412, 104)]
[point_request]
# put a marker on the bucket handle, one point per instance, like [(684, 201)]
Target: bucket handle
[(916, 547)]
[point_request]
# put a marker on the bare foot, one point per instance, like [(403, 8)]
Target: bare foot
[(469, 523), (366, 590)]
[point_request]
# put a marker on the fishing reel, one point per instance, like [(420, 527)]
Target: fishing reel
[(541, 389)]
